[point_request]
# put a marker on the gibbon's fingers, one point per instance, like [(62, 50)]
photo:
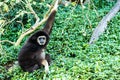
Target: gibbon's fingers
[(56, 5), (45, 63)]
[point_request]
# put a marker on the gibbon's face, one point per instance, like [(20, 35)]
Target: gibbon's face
[(41, 40)]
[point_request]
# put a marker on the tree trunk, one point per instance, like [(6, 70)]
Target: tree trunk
[(103, 23)]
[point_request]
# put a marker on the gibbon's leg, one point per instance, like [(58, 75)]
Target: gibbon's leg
[(45, 63), (47, 57)]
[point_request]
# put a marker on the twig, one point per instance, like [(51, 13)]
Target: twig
[(94, 8), (31, 9), (20, 23), (7, 41), (88, 20)]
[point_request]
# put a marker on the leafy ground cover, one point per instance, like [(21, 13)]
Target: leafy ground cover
[(72, 57)]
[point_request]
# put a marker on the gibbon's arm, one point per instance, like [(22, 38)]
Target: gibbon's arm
[(50, 20), (43, 60), (46, 65)]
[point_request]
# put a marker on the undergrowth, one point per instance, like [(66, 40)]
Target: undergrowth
[(72, 57)]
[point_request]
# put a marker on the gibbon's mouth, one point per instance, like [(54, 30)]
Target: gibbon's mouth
[(42, 41)]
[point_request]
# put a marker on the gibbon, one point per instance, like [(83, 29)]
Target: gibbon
[(32, 55)]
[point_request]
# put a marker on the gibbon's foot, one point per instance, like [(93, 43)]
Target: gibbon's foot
[(31, 69), (45, 63)]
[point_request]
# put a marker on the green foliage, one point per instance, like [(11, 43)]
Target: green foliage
[(72, 57)]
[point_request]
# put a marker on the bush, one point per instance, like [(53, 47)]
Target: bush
[(72, 57)]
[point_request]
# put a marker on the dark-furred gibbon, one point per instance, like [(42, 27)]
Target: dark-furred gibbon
[(32, 55)]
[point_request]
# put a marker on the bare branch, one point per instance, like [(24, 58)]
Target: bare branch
[(20, 23), (31, 9), (103, 23), (7, 41), (88, 20)]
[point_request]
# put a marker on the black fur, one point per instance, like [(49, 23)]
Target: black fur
[(30, 57)]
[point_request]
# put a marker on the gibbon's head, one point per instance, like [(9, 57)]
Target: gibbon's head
[(41, 40)]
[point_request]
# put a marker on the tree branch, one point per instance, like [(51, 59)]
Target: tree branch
[(103, 23), (35, 26), (7, 41), (31, 9)]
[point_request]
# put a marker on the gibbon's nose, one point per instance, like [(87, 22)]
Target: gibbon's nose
[(41, 40)]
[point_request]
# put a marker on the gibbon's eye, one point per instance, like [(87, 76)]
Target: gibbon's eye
[(41, 40)]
